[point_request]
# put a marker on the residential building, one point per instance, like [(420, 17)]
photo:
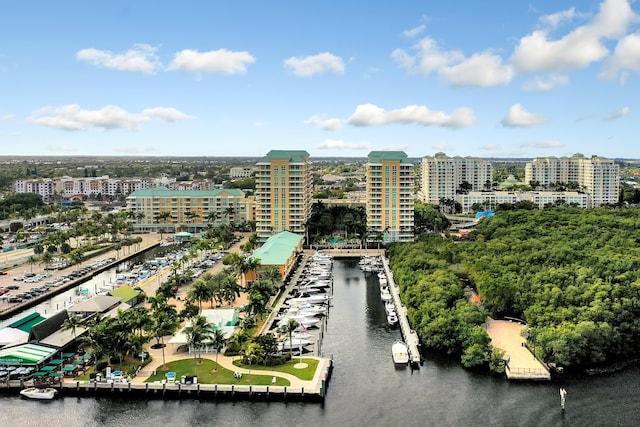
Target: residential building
[(45, 187), (193, 210), (489, 200), (597, 176), (442, 176), (238, 172), (281, 251), (283, 192), (390, 198)]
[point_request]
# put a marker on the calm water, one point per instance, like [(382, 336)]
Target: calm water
[(366, 389)]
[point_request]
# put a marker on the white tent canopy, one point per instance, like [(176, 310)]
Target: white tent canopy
[(13, 336)]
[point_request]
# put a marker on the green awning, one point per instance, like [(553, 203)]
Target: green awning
[(68, 355), (26, 354), (48, 368), (87, 357), (26, 323), (55, 374), (78, 362), (55, 362), (69, 368), (40, 374)]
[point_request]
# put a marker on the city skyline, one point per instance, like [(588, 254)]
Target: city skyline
[(337, 80)]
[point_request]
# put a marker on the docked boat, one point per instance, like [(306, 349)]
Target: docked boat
[(39, 393), (392, 318), (400, 353)]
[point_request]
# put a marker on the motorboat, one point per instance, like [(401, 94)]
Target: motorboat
[(386, 296), (311, 299), (294, 343), (47, 393), (400, 353), (389, 307), (392, 318)]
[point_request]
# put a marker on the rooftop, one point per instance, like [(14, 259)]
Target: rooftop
[(278, 248), (295, 156), (388, 156)]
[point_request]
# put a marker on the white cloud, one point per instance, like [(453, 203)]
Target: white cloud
[(322, 123), (623, 112), (578, 49), (396, 148), (216, 61), (481, 69), (489, 147), (309, 66), (554, 19), (414, 31), (8, 117), (72, 117), (626, 56), (63, 148), (141, 58), (166, 114), (543, 144), (546, 84), (372, 115), (517, 116), (338, 144), (135, 150)]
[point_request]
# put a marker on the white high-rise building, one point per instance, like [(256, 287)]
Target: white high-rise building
[(597, 176), (442, 176)]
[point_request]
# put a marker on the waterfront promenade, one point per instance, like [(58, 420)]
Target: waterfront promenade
[(521, 363)]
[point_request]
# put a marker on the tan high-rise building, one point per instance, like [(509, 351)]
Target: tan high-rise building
[(597, 176), (390, 197), (442, 176), (283, 192)]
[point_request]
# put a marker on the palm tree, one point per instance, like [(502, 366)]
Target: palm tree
[(71, 323), (273, 275), (200, 291), (289, 328), (164, 323), (197, 333), (164, 217), (218, 341)]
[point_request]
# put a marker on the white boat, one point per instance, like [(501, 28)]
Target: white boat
[(39, 393), (400, 353), (392, 318), (312, 299), (386, 296), (389, 307), (294, 343)]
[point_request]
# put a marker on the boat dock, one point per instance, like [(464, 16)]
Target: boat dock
[(410, 336), (521, 364)]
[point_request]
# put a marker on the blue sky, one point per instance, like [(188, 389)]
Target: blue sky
[(500, 78)]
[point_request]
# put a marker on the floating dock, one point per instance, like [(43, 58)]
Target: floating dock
[(410, 336)]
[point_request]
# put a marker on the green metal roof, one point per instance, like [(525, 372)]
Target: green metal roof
[(295, 156), (125, 292), (26, 323), (278, 248), (27, 354), (165, 192), (388, 156)]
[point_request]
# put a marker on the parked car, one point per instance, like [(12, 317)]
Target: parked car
[(3, 273)]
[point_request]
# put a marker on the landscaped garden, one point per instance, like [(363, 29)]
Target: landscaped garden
[(305, 373), (209, 372)]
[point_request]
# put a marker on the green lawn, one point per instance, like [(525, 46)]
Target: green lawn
[(305, 374), (208, 372)]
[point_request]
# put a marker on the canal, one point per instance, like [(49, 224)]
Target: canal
[(366, 389)]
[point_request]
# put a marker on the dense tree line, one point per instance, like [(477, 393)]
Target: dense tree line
[(571, 274)]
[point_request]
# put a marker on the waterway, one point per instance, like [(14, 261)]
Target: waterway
[(366, 389)]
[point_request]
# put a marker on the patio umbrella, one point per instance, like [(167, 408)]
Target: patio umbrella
[(55, 374), (40, 374), (48, 368), (69, 368), (78, 362), (68, 355), (55, 362)]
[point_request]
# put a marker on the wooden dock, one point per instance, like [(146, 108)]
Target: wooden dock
[(410, 336)]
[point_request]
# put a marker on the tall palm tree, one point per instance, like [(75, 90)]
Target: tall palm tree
[(200, 291), (197, 333), (71, 323), (289, 328), (218, 341), (164, 323)]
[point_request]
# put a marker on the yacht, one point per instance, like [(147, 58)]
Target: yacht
[(39, 393), (400, 353)]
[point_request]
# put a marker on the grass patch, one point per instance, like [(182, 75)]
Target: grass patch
[(305, 374), (208, 372), (129, 366)]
